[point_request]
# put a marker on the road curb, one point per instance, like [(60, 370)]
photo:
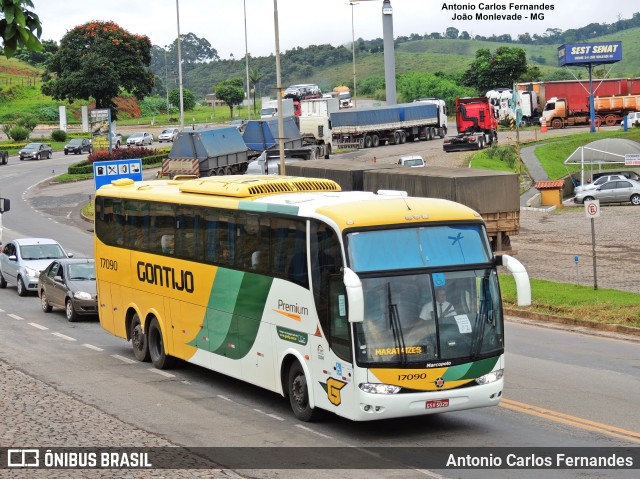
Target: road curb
[(612, 328)]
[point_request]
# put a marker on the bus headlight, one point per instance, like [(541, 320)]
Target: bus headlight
[(492, 377), (379, 388), (81, 295)]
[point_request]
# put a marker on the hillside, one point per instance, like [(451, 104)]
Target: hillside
[(325, 65)]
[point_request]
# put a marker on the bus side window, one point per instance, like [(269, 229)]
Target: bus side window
[(188, 239), (297, 271)]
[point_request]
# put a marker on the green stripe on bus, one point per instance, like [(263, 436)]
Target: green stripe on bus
[(234, 312), (470, 370)]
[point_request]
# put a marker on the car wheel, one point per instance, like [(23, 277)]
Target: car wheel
[(159, 358), (39, 156), (49, 155), (3, 282), (46, 307), (635, 200), (587, 198), (70, 312), (298, 390), (22, 290), (66, 152), (138, 340)]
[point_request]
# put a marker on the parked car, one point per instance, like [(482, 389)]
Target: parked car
[(22, 260), (116, 140), (413, 161), (632, 175), (616, 191), (140, 138), (69, 284), (597, 182), (77, 146), (170, 134), (35, 151)]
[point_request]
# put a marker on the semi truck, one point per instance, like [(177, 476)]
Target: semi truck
[(494, 195), (576, 95), (315, 125), (270, 108), (476, 124), (395, 124), (501, 100)]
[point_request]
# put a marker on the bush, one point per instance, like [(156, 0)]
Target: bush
[(58, 135), (18, 133), (47, 114), (120, 154), (86, 167)]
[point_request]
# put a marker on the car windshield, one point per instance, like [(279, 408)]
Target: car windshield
[(167, 132), (75, 141), (136, 135), (413, 162), (41, 251), (81, 271), (32, 146)]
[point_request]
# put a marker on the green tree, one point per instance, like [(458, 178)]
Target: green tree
[(230, 91), (96, 60), (188, 98), (38, 58), (491, 70), (19, 26), (254, 78), (414, 85)]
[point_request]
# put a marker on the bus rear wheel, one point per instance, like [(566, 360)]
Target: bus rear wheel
[(298, 390), (138, 340), (159, 358)]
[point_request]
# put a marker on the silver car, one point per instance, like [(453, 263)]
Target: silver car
[(69, 284), (170, 134), (616, 191), (22, 260), (597, 182), (140, 138)]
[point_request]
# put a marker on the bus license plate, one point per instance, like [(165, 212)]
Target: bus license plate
[(437, 403)]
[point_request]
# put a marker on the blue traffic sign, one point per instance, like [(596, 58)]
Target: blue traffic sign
[(104, 172)]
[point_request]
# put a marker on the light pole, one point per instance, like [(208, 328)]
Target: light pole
[(166, 76), (353, 52), (180, 69), (279, 89), (246, 58)]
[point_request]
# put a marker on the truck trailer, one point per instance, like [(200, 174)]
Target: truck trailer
[(609, 110), (494, 195), (476, 123), (395, 124)]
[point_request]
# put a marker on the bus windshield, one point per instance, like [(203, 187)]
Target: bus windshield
[(414, 319), (448, 308)]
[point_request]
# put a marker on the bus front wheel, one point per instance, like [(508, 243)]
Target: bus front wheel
[(159, 358), (138, 340), (299, 394)]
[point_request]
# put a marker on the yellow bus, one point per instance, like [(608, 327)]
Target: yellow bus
[(327, 297)]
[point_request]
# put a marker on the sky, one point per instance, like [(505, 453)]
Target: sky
[(313, 22)]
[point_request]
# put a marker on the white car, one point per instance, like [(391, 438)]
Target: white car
[(22, 261), (140, 138), (413, 161), (170, 134), (633, 119)]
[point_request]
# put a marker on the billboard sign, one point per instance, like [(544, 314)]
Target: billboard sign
[(585, 53), (100, 129)]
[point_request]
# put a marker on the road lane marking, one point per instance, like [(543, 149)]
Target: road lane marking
[(15, 316), (273, 416), (64, 336), (39, 326), (571, 420), (308, 429), (224, 397), (162, 373), (91, 346), (123, 359)]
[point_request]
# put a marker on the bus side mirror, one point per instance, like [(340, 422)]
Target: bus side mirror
[(520, 275), (355, 297)]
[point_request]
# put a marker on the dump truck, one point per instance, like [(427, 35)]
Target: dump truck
[(207, 152), (576, 94), (609, 110), (392, 125), (495, 195), (476, 124)]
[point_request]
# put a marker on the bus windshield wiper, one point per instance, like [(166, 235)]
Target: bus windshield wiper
[(396, 327)]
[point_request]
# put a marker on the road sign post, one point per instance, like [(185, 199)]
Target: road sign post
[(592, 210)]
